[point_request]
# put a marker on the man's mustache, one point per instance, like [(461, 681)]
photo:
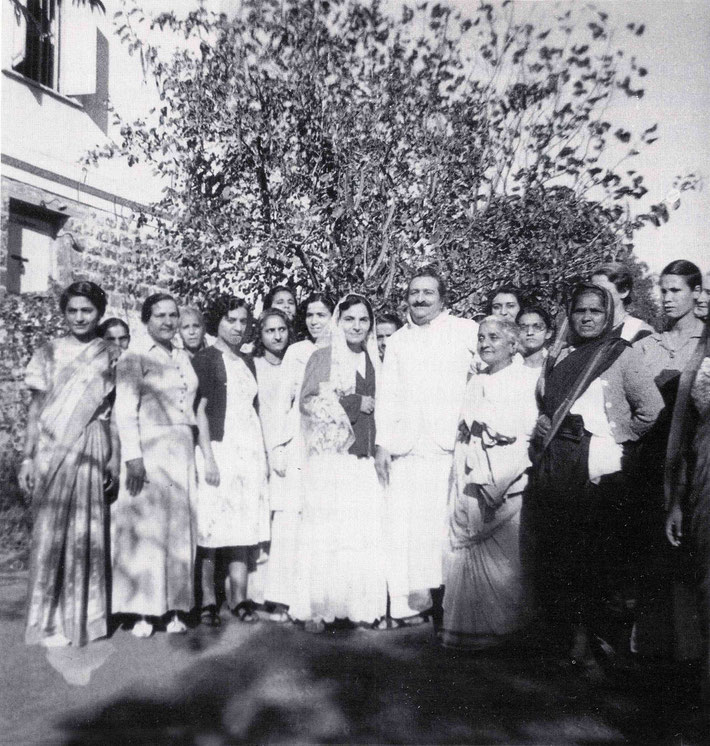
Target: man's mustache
[(421, 304)]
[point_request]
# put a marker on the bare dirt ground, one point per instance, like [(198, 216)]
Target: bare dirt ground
[(268, 683)]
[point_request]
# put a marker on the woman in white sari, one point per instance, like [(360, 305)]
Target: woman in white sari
[(484, 598), (286, 452), (341, 550)]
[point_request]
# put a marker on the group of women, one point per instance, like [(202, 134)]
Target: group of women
[(251, 451)]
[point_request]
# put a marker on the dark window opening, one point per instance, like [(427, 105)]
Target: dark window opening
[(39, 62)]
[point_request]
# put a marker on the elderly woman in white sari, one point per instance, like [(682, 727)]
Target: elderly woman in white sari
[(484, 599), (341, 559)]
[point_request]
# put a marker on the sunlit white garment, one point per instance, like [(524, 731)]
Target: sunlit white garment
[(236, 512), (286, 492), (484, 597), (422, 388), (424, 378), (604, 452)]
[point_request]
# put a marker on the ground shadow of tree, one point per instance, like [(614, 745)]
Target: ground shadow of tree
[(285, 686)]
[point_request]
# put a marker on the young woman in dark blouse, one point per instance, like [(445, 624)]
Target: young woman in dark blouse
[(232, 505)]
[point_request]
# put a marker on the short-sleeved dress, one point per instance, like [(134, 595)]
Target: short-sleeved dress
[(236, 513)]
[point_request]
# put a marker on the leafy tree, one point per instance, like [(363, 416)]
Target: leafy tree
[(333, 145)]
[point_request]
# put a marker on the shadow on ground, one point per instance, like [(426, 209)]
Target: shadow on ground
[(283, 685)]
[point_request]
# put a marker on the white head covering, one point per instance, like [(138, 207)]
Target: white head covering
[(342, 366)]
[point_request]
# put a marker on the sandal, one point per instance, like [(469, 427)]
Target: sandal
[(209, 616), (244, 612)]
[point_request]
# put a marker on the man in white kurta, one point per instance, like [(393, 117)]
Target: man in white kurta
[(419, 399)]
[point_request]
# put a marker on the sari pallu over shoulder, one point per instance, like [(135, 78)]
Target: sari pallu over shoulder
[(566, 378), (75, 397), (67, 584)]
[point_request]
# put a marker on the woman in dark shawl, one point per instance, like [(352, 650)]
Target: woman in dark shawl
[(687, 480), (597, 399)]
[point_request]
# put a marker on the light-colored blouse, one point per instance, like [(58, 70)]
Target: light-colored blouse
[(154, 388), (293, 368), (269, 378)]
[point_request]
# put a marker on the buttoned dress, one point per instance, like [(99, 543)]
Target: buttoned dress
[(154, 533)]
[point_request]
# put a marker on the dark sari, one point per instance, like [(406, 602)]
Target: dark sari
[(572, 518)]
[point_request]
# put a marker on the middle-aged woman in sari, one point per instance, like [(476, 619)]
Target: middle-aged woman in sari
[(688, 480), (341, 550), (153, 522), (286, 456), (598, 398), (233, 505), (484, 600), (665, 624), (66, 464)]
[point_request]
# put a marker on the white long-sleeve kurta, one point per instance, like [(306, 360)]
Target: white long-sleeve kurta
[(422, 385), (419, 399)]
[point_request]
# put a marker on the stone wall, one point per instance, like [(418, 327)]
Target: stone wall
[(105, 246)]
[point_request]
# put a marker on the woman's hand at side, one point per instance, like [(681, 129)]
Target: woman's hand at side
[(367, 404), (135, 476), (26, 476), (211, 471), (542, 428), (674, 525)]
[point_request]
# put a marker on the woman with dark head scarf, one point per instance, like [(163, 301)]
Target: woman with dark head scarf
[(598, 397)]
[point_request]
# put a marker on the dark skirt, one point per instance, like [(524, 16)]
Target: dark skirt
[(577, 542)]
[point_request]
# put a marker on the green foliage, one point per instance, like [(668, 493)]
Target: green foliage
[(337, 147)]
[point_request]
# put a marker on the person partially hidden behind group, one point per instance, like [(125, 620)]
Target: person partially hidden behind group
[(67, 460), (387, 325), (192, 330), (153, 520), (598, 397), (341, 561), (232, 504), (485, 601), (283, 299), (116, 332), (537, 330), (617, 279), (507, 301)]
